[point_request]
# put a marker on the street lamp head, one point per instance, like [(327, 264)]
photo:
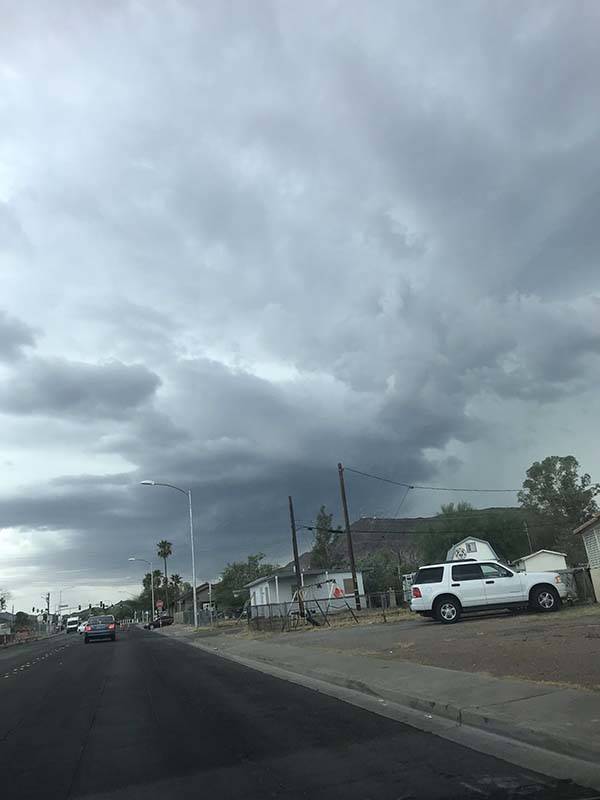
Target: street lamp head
[(147, 483), (131, 558)]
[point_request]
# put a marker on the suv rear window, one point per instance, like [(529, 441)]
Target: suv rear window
[(429, 575), (467, 572)]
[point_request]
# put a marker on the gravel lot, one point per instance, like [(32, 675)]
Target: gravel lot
[(559, 648)]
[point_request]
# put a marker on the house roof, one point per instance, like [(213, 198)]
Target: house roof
[(285, 573), (471, 539), (537, 552), (588, 524), (201, 587)]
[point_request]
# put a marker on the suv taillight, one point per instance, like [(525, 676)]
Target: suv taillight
[(416, 592)]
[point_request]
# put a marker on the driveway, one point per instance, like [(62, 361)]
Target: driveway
[(560, 648)]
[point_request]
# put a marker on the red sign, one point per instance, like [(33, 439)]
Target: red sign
[(159, 604), (337, 592)]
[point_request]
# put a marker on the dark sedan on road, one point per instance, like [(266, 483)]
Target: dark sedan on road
[(103, 627), (160, 622)]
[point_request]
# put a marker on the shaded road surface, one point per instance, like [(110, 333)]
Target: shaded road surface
[(149, 717)]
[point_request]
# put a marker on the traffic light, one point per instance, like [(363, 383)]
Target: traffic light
[(33, 610), (90, 607), (79, 607)]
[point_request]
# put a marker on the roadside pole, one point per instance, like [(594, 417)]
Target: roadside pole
[(296, 558), (349, 536), (528, 536)]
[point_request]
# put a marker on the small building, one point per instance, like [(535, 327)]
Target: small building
[(205, 596), (276, 595), (542, 561), (590, 531), (471, 547)]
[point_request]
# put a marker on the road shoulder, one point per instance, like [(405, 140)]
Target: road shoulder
[(527, 721)]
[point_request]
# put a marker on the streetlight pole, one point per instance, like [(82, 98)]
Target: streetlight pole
[(188, 493), (151, 581)]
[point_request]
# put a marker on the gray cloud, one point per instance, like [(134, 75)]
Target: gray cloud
[(73, 389), (267, 242), (15, 336)]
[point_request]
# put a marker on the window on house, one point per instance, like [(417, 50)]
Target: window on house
[(348, 586), (471, 547)]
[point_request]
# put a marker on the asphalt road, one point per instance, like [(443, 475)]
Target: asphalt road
[(150, 717)]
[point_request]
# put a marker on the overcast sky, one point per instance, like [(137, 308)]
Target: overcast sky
[(240, 242)]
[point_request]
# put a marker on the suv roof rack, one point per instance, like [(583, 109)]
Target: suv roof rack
[(459, 560)]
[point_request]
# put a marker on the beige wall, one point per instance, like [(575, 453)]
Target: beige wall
[(595, 576)]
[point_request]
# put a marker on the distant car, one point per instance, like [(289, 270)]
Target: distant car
[(103, 627), (445, 591), (81, 627), (72, 624)]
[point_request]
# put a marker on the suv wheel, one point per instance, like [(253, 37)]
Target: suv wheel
[(447, 610), (545, 598)]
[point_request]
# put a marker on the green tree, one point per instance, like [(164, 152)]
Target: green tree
[(4, 595), (176, 583), (164, 550), (380, 571), (556, 492), (554, 488), (230, 593), (22, 621), (504, 529), (323, 550)]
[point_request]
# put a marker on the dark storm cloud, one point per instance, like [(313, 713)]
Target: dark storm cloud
[(64, 388), (15, 336), (269, 241)]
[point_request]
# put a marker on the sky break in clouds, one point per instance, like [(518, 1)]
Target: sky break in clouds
[(242, 242)]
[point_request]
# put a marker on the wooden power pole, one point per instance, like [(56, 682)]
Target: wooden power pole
[(349, 536), (296, 558)]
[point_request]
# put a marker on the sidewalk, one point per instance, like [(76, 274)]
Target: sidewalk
[(560, 719)]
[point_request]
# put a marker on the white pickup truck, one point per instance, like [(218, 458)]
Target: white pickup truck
[(445, 591)]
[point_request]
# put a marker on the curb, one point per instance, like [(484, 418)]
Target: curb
[(461, 716)]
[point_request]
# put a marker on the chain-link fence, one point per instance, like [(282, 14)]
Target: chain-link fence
[(327, 611), (206, 618)]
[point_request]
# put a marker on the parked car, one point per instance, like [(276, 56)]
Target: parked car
[(72, 624), (446, 591), (160, 622), (103, 627)]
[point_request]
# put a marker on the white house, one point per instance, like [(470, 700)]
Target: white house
[(275, 595), (542, 561), (471, 547), (590, 531)]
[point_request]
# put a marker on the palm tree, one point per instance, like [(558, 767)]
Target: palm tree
[(165, 549)]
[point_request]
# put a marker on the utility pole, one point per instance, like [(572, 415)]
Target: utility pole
[(349, 536), (296, 558), (526, 526)]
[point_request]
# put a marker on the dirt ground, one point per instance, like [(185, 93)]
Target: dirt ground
[(563, 647)]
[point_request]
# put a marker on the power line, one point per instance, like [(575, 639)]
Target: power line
[(405, 495), (425, 531), (427, 488)]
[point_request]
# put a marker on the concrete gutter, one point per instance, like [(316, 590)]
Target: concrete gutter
[(552, 719)]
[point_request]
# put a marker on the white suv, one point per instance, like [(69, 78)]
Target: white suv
[(445, 591)]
